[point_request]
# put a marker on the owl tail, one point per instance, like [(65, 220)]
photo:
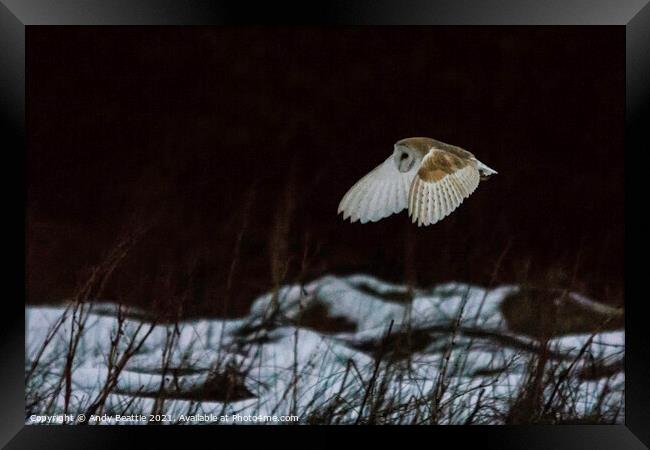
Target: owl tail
[(485, 171)]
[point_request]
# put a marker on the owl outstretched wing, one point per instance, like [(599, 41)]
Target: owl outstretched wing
[(382, 192), (444, 179)]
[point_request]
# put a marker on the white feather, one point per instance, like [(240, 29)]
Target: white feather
[(455, 192), (380, 193), (429, 205)]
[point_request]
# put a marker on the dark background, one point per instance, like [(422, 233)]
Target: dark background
[(234, 146)]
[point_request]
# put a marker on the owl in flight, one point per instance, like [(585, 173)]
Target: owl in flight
[(428, 177)]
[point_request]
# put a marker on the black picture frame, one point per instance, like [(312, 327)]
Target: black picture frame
[(17, 15)]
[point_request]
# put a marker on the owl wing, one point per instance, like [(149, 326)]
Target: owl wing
[(382, 192), (443, 180)]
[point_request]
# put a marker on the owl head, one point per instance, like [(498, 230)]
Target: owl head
[(406, 157)]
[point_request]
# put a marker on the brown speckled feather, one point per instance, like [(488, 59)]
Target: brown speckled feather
[(447, 175)]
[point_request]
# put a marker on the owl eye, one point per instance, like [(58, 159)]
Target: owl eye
[(403, 156)]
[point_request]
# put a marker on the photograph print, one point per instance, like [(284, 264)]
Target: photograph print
[(325, 225)]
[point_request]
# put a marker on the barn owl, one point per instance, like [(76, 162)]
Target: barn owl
[(428, 177)]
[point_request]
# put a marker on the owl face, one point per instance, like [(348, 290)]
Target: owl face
[(405, 157)]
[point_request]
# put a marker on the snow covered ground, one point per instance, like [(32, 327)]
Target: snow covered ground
[(333, 350)]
